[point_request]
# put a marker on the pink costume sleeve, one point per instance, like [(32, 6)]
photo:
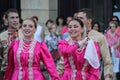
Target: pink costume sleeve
[(10, 67), (65, 48), (49, 62), (95, 72)]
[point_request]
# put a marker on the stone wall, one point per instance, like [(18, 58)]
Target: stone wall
[(44, 9)]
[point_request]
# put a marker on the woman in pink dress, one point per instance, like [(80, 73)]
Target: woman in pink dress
[(113, 39), (81, 55), (24, 57)]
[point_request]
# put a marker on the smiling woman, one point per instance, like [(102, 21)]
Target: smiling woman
[(28, 29), (24, 57), (75, 29), (81, 55)]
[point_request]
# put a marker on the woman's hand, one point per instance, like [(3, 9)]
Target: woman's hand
[(84, 42)]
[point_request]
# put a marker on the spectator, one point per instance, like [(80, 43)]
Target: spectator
[(52, 41), (39, 34), (113, 40)]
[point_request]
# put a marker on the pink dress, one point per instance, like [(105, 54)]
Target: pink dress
[(23, 65), (64, 30), (76, 66), (118, 30), (112, 40)]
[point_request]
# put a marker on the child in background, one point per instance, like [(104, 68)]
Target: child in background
[(52, 40)]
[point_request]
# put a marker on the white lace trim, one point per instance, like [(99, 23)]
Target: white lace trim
[(18, 58), (73, 68), (30, 60), (83, 70)]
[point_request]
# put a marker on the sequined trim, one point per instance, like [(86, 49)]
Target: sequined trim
[(83, 70), (73, 68), (18, 58), (30, 60)]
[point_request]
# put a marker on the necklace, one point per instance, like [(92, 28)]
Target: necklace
[(30, 60), (27, 40), (27, 46), (27, 43)]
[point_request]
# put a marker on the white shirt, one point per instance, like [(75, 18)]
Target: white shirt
[(38, 33)]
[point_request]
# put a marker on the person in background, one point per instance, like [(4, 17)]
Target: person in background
[(49, 23), (96, 26), (4, 25), (12, 17), (115, 19), (20, 31), (75, 15), (24, 56), (78, 53), (64, 31), (60, 21), (85, 15), (113, 40), (52, 41), (39, 34)]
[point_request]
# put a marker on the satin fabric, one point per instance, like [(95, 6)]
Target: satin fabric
[(41, 53), (84, 71)]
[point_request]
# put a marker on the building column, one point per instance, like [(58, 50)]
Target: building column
[(68, 7), (107, 12), (44, 9)]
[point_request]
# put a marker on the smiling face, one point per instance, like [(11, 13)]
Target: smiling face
[(68, 19), (53, 28), (83, 17), (13, 20), (28, 28), (75, 30), (95, 27)]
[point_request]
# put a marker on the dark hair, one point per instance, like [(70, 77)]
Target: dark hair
[(88, 12), (80, 22), (60, 17), (10, 11), (49, 20), (30, 20), (114, 17), (5, 15), (74, 15), (35, 17), (96, 22)]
